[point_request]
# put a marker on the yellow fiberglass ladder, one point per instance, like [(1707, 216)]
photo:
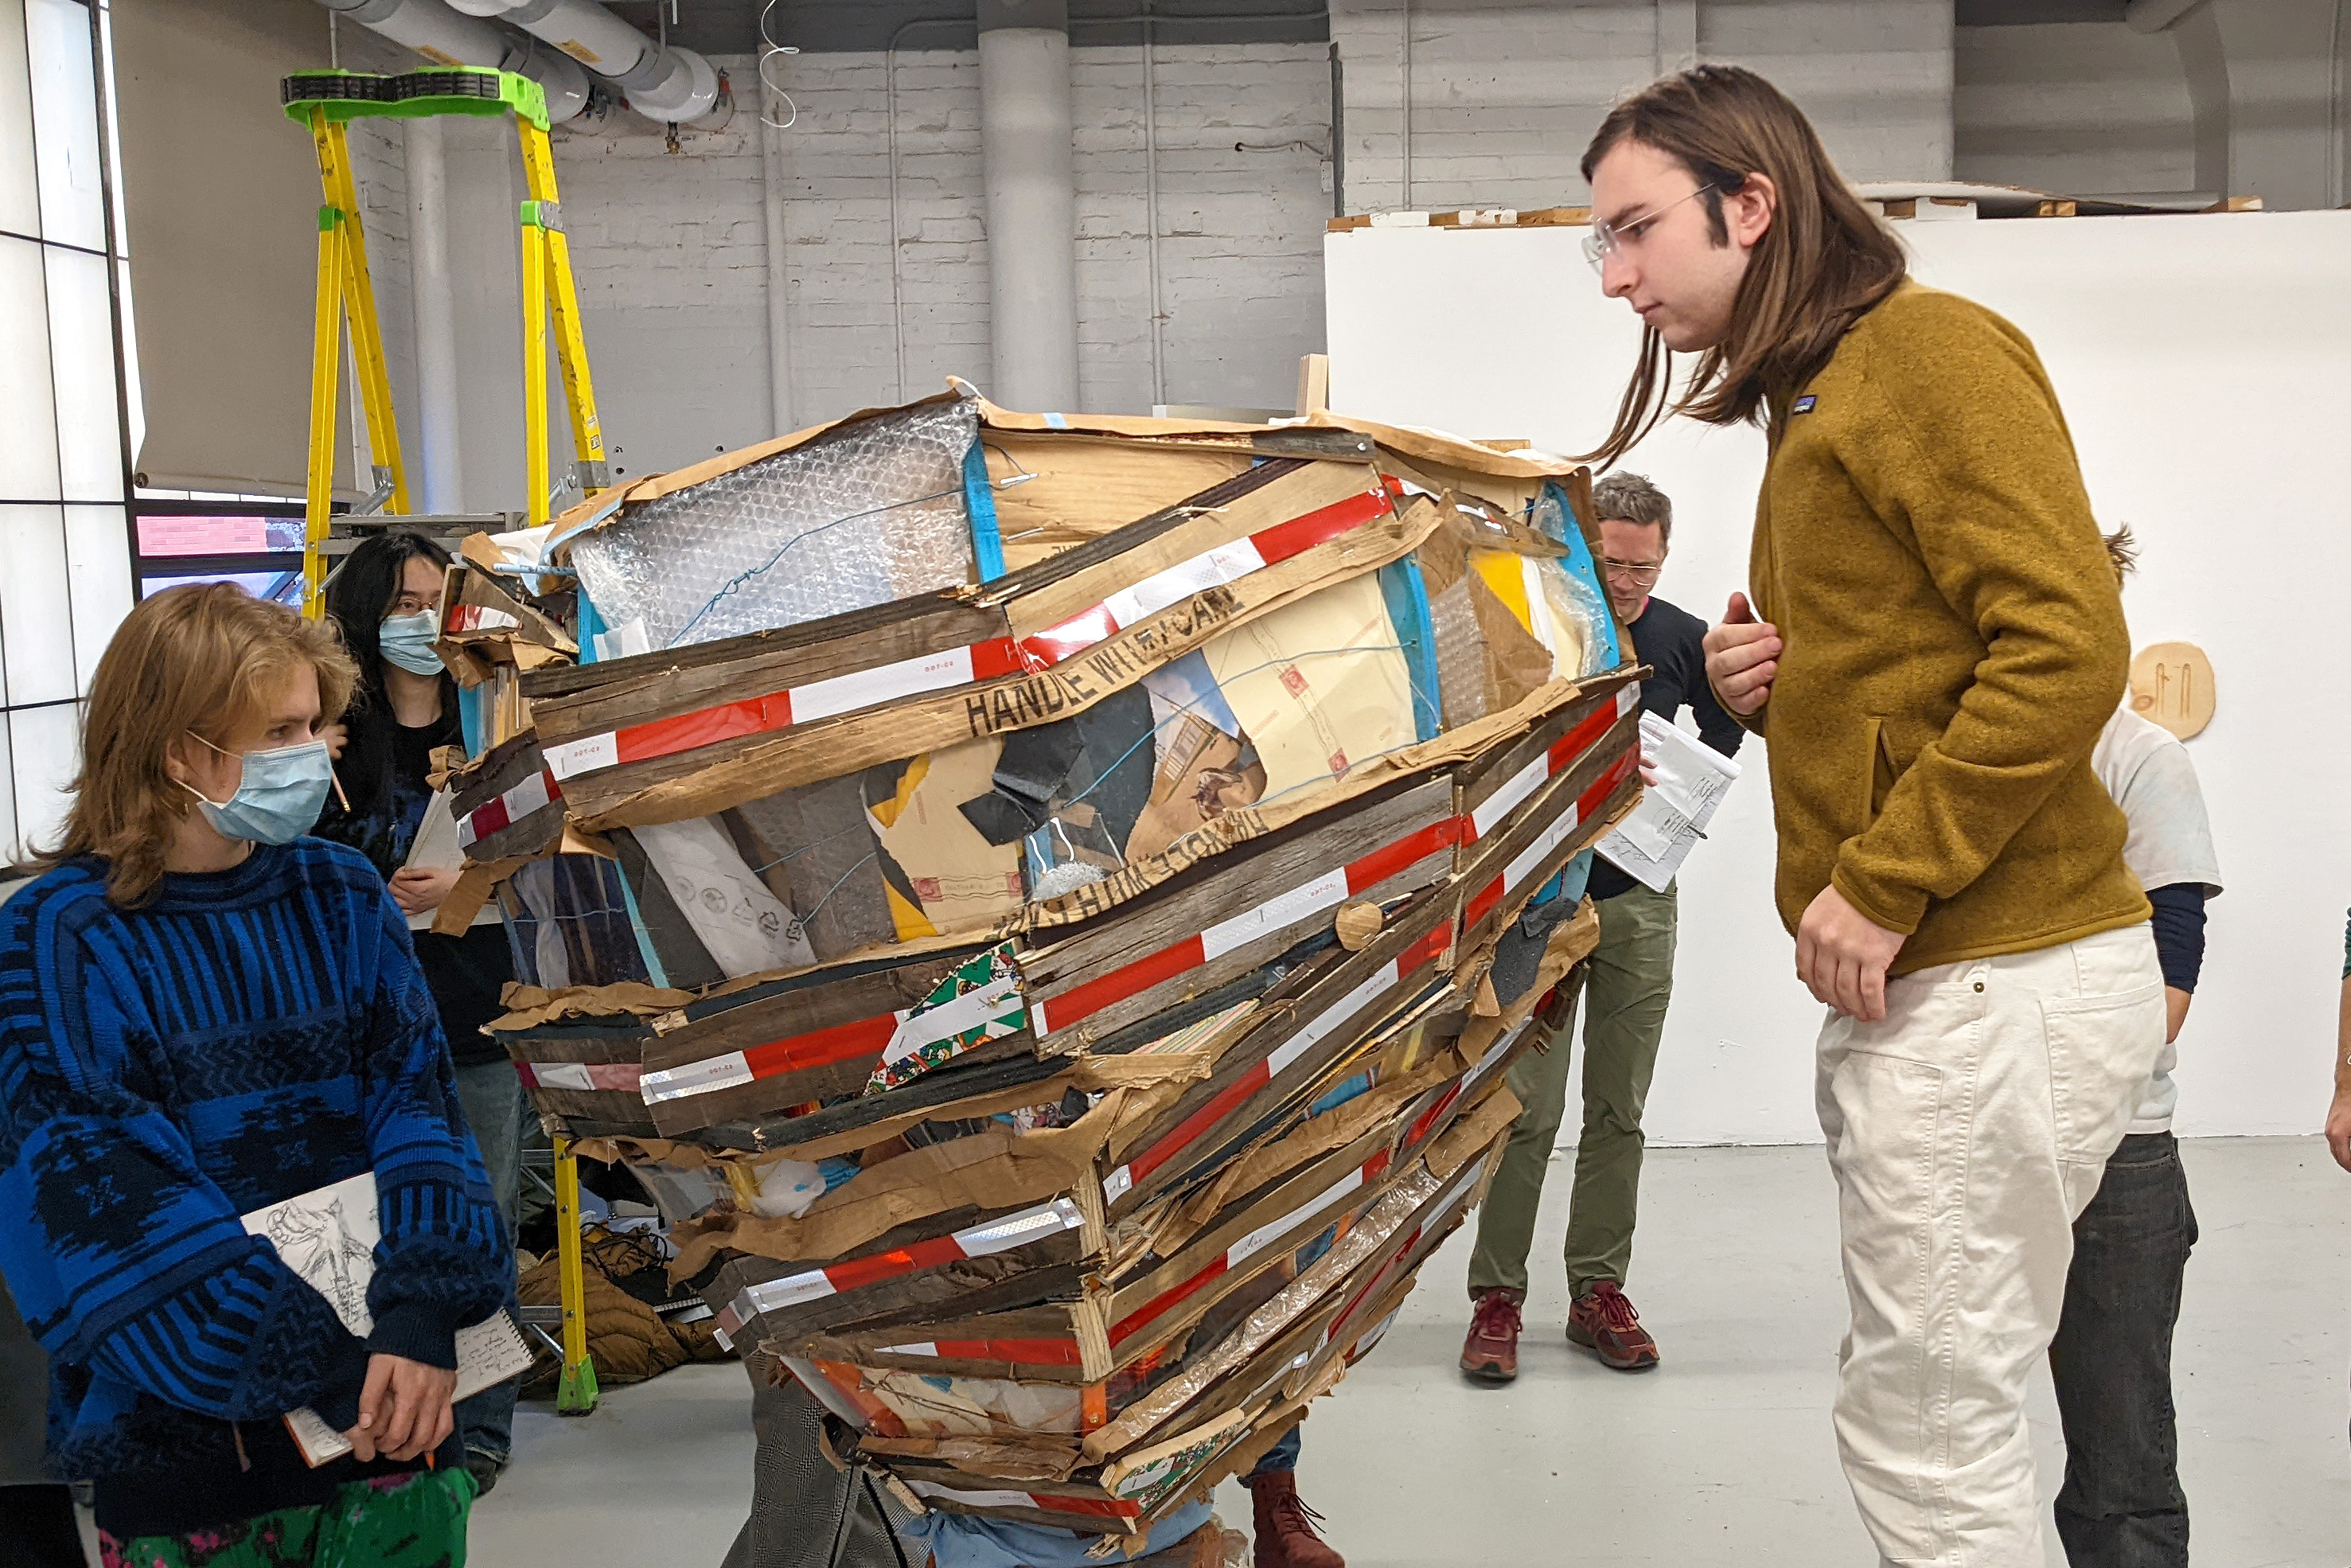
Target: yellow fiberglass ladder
[(326, 102)]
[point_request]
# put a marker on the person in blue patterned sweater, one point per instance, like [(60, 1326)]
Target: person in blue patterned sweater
[(203, 1012)]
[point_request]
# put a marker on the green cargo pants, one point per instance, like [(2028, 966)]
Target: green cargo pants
[(1628, 981)]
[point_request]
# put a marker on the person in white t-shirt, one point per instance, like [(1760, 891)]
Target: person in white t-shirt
[(2122, 1506)]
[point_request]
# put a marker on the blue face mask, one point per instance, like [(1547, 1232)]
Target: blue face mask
[(279, 796), (407, 642)]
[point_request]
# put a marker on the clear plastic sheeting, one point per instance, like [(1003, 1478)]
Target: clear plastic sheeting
[(1573, 586), (856, 517)]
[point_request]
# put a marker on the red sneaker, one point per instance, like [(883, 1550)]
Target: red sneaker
[(1285, 1525), (1490, 1353), (1603, 1322)]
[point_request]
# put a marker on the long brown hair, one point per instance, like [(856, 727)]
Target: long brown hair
[(1824, 262), (203, 658)]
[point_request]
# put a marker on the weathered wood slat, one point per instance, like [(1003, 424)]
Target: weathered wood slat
[(1062, 587), (714, 778), (1305, 1002), (931, 1288), (649, 686), (806, 1005), (1240, 880)]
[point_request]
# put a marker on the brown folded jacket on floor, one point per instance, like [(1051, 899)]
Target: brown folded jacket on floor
[(628, 1340)]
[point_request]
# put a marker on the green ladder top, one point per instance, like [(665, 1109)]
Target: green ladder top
[(455, 89)]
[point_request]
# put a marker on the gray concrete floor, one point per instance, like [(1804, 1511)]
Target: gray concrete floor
[(1721, 1455)]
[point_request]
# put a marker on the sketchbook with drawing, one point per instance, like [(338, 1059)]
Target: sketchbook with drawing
[(328, 1237)]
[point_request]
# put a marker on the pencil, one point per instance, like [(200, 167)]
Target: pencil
[(336, 780)]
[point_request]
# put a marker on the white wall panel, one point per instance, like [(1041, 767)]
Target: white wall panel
[(65, 568), (20, 189), (28, 421), (36, 609), (2205, 368), (44, 753), (81, 367), (8, 836), (98, 570), (65, 124)]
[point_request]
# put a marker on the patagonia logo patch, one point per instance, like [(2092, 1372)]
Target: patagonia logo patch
[(1804, 404)]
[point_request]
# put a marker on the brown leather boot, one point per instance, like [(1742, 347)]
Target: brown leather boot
[(1491, 1352), (1284, 1525), (1603, 1322)]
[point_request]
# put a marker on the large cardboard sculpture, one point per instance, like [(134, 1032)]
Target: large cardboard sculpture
[(931, 884)]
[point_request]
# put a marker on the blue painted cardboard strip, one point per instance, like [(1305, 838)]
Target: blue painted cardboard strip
[(1406, 593), (979, 502)]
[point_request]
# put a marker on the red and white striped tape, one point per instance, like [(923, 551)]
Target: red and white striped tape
[(1482, 903), (1218, 567), (1335, 887), (619, 1076), (504, 810), (1438, 1211), (1020, 1351), (1462, 1085), (974, 1241), (1044, 1502), (1393, 973), (1327, 890), (984, 661), (891, 1036), (1555, 760), (901, 678), (1249, 1246)]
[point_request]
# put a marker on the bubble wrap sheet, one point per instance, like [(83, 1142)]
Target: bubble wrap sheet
[(854, 519)]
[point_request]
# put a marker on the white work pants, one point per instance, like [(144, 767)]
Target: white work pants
[(1966, 1132)]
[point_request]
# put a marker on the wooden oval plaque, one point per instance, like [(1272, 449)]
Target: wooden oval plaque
[(2171, 683)]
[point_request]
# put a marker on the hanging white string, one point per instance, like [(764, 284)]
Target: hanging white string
[(769, 88)]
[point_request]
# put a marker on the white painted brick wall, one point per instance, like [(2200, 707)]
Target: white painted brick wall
[(1505, 95), (671, 248)]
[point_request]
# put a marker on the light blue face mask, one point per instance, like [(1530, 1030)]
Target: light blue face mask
[(278, 795), (407, 642)]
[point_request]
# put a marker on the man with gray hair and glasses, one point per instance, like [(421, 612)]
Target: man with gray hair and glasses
[(1627, 983)]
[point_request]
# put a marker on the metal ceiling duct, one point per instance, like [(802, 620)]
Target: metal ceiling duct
[(661, 82), (450, 39)]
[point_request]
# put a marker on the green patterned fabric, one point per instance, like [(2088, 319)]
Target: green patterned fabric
[(398, 1521)]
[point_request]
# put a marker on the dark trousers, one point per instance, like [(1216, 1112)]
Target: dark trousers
[(2121, 1506)]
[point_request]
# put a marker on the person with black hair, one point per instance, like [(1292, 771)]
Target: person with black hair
[(386, 600)]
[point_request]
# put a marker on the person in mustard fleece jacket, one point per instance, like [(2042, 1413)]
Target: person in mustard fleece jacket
[(1935, 642)]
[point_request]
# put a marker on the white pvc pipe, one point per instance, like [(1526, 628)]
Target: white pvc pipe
[(445, 38), (435, 299), (669, 84), (2156, 16), (1026, 167)]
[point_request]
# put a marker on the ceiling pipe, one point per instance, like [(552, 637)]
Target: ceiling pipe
[(662, 82), (448, 39)]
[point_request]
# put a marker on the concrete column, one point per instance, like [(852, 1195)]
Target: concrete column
[(774, 176), (1676, 35), (2264, 77), (436, 307), (1033, 220)]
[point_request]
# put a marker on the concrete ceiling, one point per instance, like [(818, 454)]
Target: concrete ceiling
[(826, 27)]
